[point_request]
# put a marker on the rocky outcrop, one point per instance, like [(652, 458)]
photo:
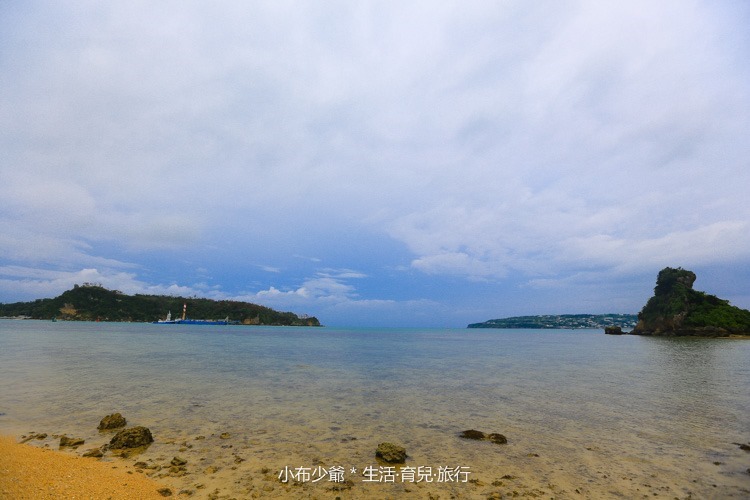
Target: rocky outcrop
[(678, 310)]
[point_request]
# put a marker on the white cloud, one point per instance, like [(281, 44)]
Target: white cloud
[(326, 286), (21, 244), (459, 263), (270, 269), (140, 231), (29, 283), (336, 303), (274, 294), (617, 127), (340, 274), (490, 139)]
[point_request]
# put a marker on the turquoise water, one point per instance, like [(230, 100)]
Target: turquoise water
[(581, 410)]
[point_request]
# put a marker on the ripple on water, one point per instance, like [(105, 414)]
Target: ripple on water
[(581, 410)]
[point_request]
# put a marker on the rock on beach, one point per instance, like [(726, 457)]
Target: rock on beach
[(131, 438), (94, 453), (114, 421), (66, 442), (391, 453), (494, 437)]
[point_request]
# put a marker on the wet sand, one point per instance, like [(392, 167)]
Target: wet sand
[(33, 468), (242, 466), (29, 472)]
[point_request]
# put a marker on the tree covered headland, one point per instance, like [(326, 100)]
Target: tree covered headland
[(561, 321), (91, 302)]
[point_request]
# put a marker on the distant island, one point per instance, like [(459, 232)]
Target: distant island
[(92, 302), (678, 310), (562, 321)]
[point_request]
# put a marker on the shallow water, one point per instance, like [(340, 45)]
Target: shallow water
[(584, 413)]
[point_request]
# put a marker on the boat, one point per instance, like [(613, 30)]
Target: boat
[(168, 321), (187, 321)]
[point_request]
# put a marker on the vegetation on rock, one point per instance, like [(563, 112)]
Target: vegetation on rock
[(91, 302), (677, 309)]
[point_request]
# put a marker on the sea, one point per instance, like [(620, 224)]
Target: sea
[(296, 412)]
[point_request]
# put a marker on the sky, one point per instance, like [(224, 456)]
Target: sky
[(385, 164)]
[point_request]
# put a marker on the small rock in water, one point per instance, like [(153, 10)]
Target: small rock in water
[(33, 435), (165, 492), (94, 453), (131, 438), (613, 330), (114, 421), (745, 447), (481, 436), (66, 442), (178, 461), (225, 435), (497, 438), (391, 453), (473, 434)]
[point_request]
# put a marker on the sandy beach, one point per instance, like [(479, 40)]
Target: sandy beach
[(37, 470), (34, 470), (30, 472), (231, 465)]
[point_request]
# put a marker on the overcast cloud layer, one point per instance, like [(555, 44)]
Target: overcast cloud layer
[(383, 163)]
